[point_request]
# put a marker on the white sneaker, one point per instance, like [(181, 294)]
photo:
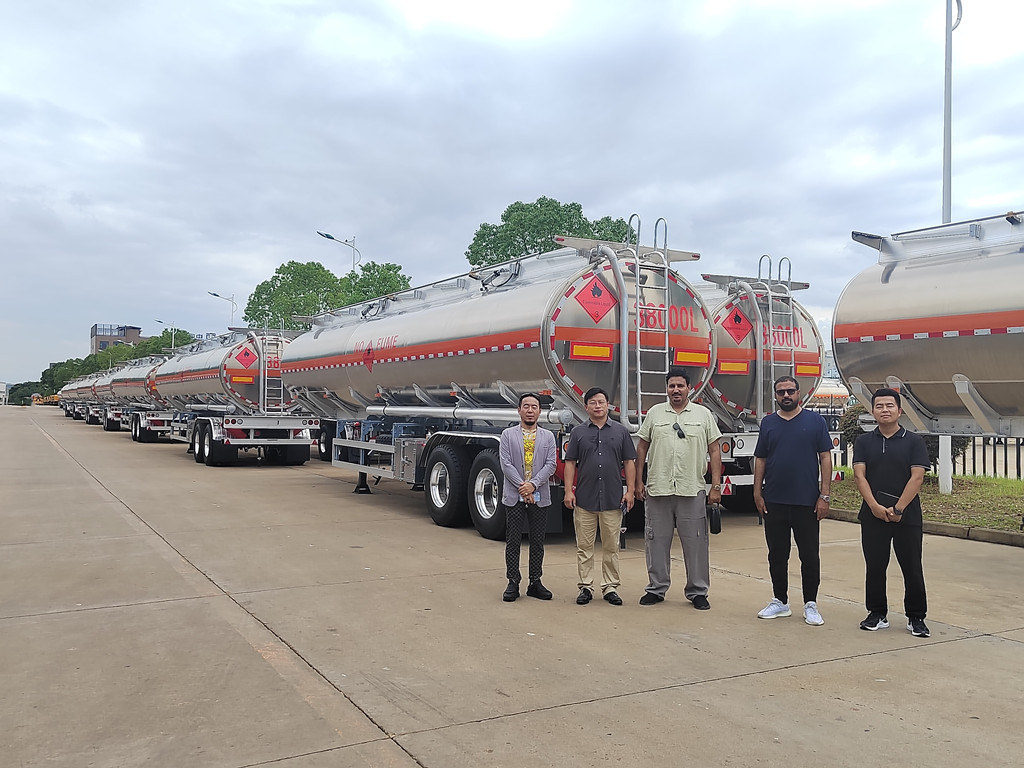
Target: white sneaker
[(811, 615), (774, 610)]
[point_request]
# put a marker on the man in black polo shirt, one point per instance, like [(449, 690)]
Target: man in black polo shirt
[(889, 465), (600, 451)]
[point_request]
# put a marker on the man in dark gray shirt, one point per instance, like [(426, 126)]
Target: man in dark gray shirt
[(599, 452)]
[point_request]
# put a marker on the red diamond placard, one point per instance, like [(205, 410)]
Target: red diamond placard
[(246, 357), (369, 357), (737, 325), (596, 299)]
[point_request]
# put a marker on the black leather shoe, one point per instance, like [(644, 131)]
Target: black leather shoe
[(650, 598), (613, 598), (538, 590), (585, 597), (511, 592), (700, 602)]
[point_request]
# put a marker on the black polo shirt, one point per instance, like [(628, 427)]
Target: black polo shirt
[(599, 453), (887, 462)]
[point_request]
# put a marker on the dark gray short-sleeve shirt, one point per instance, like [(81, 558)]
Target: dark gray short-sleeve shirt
[(599, 454)]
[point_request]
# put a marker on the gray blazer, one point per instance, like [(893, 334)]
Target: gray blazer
[(510, 451)]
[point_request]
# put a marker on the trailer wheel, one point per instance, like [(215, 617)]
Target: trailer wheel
[(111, 425), (445, 489), (76, 416), (275, 454), (215, 453), (197, 442), (324, 443), (485, 485), (134, 429), (296, 455), (146, 435)]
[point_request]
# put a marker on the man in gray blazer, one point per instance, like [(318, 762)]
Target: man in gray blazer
[(527, 456)]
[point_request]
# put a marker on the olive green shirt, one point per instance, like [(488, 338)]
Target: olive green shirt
[(675, 465)]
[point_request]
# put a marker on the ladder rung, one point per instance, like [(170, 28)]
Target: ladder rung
[(660, 350)]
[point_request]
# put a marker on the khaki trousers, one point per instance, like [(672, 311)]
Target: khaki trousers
[(586, 524)]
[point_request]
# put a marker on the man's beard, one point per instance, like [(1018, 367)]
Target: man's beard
[(788, 405)]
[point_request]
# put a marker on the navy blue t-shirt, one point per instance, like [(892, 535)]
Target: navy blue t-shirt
[(791, 449)]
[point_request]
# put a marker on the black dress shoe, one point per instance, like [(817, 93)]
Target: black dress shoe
[(613, 598), (650, 598), (700, 602), (538, 590), (511, 592), (585, 597)]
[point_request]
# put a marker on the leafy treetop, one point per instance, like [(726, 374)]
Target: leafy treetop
[(527, 228)]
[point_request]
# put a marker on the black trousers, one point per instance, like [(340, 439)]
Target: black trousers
[(877, 539), (782, 522), (537, 521)]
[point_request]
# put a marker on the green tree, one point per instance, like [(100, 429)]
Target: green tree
[(311, 288), (372, 281), (849, 426), (155, 345), (527, 228)]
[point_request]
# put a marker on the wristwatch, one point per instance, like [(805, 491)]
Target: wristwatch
[(897, 511), (823, 497), (716, 487)]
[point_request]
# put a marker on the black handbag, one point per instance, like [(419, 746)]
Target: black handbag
[(714, 518)]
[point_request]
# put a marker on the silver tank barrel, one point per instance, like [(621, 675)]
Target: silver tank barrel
[(940, 317), (547, 324)]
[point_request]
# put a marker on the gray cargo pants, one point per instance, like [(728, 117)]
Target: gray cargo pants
[(664, 515)]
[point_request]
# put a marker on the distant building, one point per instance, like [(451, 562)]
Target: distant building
[(102, 336)]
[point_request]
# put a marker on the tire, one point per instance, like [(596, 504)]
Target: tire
[(135, 429), (445, 486), (296, 455), (324, 442), (484, 495), (197, 442), (275, 455), (76, 416), (215, 453)]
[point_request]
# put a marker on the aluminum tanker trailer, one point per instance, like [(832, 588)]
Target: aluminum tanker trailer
[(419, 384), (940, 317), (226, 394), (78, 398)]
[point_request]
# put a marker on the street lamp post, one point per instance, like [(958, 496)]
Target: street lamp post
[(351, 243), (225, 298), (173, 330)]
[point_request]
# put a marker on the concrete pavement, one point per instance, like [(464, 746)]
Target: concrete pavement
[(155, 611)]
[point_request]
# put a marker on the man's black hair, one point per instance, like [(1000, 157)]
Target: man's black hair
[(681, 373), (529, 394), (595, 391), (886, 392), (786, 378)]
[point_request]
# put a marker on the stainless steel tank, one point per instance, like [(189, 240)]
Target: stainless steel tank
[(789, 338), (80, 390), (941, 317), (131, 384), (546, 323), (227, 371)]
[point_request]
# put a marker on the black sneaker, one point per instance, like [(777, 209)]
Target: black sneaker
[(700, 602), (650, 598), (918, 628), (613, 598), (585, 597), (511, 592), (875, 621), (538, 590)]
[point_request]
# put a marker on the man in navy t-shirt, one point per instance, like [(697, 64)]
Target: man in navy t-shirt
[(793, 460)]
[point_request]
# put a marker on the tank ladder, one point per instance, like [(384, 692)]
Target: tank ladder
[(272, 392), (655, 358), (778, 292)]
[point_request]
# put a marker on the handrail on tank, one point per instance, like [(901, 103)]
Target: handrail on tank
[(620, 286), (758, 342)]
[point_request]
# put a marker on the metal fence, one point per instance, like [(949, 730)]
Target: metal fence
[(984, 457)]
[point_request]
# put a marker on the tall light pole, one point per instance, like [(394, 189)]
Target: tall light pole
[(173, 329), (225, 298), (947, 120), (945, 464), (351, 243)]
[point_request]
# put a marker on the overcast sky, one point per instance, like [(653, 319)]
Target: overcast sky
[(153, 151)]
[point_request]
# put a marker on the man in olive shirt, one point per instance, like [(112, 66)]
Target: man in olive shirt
[(602, 451), (676, 439)]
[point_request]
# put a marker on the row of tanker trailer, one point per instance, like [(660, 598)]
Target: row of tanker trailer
[(416, 386)]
